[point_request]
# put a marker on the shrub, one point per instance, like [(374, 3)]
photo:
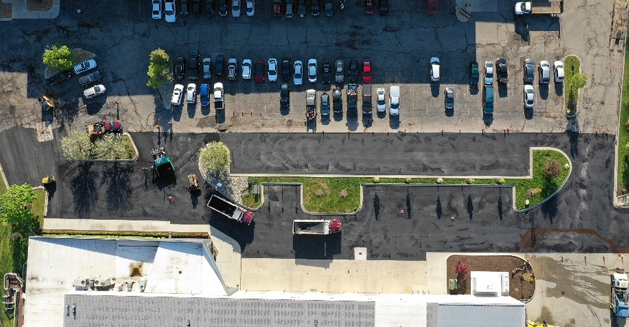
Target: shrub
[(376, 179), (319, 193), (344, 194), (461, 269), (552, 169), (439, 180), (469, 181), (58, 56), (408, 180), (159, 69), (533, 192), (214, 157)]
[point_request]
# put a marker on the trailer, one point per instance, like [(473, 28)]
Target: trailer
[(230, 210), (316, 227), (553, 7), (619, 299)]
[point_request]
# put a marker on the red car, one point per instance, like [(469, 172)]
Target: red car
[(367, 71), (258, 71), (277, 8), (105, 127), (369, 7)]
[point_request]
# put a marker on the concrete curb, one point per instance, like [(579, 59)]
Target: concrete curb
[(616, 203), (135, 148)]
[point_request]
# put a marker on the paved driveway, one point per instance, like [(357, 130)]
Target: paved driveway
[(122, 34)]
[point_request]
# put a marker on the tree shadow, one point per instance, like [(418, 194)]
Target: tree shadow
[(84, 190), (408, 205), (573, 135), (500, 207), (439, 208), (376, 206), (470, 207), (549, 208), (118, 186)]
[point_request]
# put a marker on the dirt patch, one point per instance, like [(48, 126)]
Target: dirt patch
[(6, 10), (39, 5), (518, 287)]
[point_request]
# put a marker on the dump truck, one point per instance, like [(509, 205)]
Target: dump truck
[(541, 8), (230, 210), (352, 100), (619, 299), (433, 6), (316, 227)]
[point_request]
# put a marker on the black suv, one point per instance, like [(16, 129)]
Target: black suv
[(384, 7), (193, 65), (503, 74), (222, 7), (219, 65), (314, 8), (285, 70), (529, 71), (284, 96), (59, 77), (180, 68), (326, 72), (353, 70), (337, 100)]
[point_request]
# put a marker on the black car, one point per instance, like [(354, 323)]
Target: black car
[(337, 101), (328, 8), (196, 6), (180, 68), (209, 8), (222, 7), (301, 11), (503, 74), (184, 7), (285, 70), (383, 7), (326, 72), (353, 70), (59, 77), (529, 71), (219, 64), (325, 104), (314, 8), (90, 78), (284, 96), (193, 65)]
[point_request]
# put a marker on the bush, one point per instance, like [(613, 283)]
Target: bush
[(214, 157), (439, 180), (500, 181), (344, 194), (319, 193), (376, 179), (58, 56), (159, 69), (533, 192), (461, 269), (552, 169), (469, 181), (408, 180)]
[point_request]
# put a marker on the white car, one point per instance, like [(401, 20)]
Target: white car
[(489, 72), (246, 68), (312, 70), (298, 77), (382, 102), (272, 71), (157, 9), (191, 93), (529, 96), (95, 90), (236, 8), (169, 11), (544, 72), (434, 69), (85, 66), (559, 72), (394, 101), (251, 8), (177, 95)]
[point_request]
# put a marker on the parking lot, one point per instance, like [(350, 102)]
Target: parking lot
[(122, 34)]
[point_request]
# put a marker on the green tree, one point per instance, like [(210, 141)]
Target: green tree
[(578, 81), (58, 56), (109, 147), (214, 157), (552, 169), (13, 204), (159, 69), (77, 146)]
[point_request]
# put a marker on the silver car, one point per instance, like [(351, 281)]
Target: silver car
[(489, 72), (529, 96), (449, 98), (298, 75), (339, 76)]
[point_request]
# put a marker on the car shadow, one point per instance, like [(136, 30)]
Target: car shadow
[(434, 89), (544, 91), (528, 113), (394, 122), (559, 89), (338, 117), (352, 123), (93, 106), (317, 246), (285, 111), (205, 110), (503, 91), (381, 115), (177, 112), (325, 119), (488, 119), (474, 89), (220, 116), (367, 120), (191, 108), (449, 112)]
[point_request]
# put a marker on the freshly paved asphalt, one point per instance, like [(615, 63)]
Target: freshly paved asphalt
[(580, 218)]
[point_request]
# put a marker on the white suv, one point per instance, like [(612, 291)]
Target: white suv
[(246, 69), (157, 9), (272, 71), (177, 95), (191, 93), (298, 77), (434, 69), (312, 70), (236, 8)]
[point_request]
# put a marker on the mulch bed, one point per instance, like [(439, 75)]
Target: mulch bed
[(6, 10), (39, 5), (518, 287)]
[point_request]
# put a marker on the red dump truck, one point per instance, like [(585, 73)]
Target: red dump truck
[(230, 210), (316, 227)]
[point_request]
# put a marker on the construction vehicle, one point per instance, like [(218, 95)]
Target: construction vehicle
[(316, 227), (230, 210), (162, 166), (537, 324), (619, 283), (433, 6), (47, 103), (542, 8), (193, 183), (48, 180)]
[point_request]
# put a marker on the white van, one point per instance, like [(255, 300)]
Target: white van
[(95, 90), (394, 101)]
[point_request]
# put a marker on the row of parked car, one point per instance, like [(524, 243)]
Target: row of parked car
[(288, 8), (260, 71), (351, 98), (86, 80)]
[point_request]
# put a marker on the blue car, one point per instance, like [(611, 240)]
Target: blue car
[(205, 95)]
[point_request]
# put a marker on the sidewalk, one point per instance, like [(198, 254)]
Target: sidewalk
[(21, 11)]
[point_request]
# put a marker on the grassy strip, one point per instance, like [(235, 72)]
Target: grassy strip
[(119, 234), (623, 135), (323, 195), (572, 66), (129, 151)]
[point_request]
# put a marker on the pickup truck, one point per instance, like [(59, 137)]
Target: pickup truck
[(316, 227), (553, 7), (367, 94), (219, 103), (230, 210), (352, 100)]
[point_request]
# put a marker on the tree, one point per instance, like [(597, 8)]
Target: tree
[(58, 56), (214, 157), (108, 147), (552, 168), (13, 203), (77, 146), (159, 69), (578, 81), (461, 269)]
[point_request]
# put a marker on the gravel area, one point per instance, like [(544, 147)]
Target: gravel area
[(518, 287), (39, 5), (230, 186), (6, 10)]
